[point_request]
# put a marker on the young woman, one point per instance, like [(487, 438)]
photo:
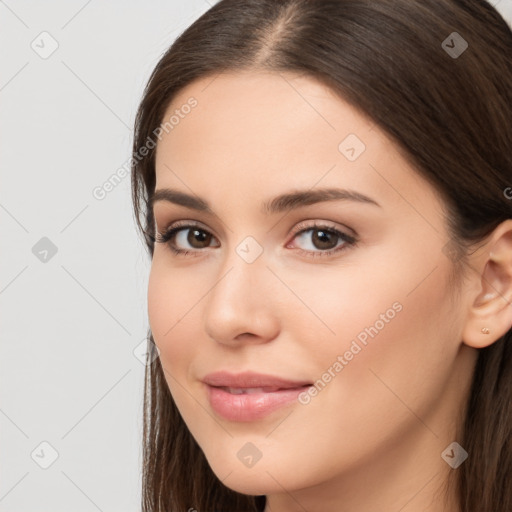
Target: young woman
[(324, 188)]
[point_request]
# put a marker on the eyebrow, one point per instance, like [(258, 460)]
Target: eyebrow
[(279, 204)]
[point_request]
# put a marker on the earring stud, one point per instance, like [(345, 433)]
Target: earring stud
[(485, 330)]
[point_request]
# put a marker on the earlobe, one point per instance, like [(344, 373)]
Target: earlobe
[(490, 311)]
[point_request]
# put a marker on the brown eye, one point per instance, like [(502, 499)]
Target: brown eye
[(317, 240), (186, 239), (198, 238), (323, 239)]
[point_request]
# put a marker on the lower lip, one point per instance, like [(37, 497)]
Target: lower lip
[(250, 407)]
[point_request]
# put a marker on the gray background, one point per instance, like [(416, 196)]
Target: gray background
[(72, 321)]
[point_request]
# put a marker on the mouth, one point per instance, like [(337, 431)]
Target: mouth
[(251, 396), (249, 404)]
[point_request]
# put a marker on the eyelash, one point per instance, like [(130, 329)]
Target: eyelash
[(349, 240)]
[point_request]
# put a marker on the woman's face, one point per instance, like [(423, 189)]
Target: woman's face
[(359, 306)]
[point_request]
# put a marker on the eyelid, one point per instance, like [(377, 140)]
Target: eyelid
[(186, 223), (315, 223)]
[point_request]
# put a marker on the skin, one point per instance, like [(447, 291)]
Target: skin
[(372, 438)]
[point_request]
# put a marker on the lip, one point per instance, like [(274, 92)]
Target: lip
[(251, 380), (255, 405)]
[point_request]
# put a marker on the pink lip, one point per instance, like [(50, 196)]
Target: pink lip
[(253, 406), (251, 380)]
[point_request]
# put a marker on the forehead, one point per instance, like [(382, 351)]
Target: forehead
[(277, 108), (266, 132)]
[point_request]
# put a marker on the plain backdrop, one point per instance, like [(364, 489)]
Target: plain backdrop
[(73, 270)]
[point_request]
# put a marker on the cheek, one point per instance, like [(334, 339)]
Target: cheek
[(171, 297), (398, 343), (169, 300), (402, 366), (395, 322), (340, 310)]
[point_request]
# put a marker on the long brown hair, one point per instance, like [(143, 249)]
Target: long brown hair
[(451, 117)]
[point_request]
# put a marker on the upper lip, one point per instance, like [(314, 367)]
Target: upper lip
[(251, 380)]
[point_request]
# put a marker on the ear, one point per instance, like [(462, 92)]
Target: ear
[(490, 313)]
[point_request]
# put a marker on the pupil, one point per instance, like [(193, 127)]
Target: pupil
[(323, 241), (197, 236)]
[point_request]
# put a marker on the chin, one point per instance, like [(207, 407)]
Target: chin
[(251, 485), (253, 481)]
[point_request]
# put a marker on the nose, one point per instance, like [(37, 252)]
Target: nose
[(241, 306)]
